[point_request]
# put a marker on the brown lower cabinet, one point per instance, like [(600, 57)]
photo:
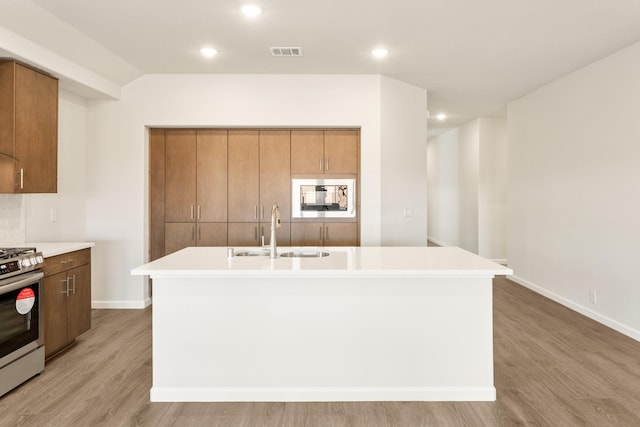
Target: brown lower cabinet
[(180, 235), (251, 234), (324, 234), (66, 299)]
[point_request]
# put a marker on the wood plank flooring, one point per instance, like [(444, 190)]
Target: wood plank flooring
[(553, 367)]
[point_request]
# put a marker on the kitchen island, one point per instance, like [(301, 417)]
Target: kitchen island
[(361, 324)]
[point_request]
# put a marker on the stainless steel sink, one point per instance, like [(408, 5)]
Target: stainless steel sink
[(304, 254), (252, 253)]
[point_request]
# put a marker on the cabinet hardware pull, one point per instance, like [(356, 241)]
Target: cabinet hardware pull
[(193, 233), (255, 212), (326, 233), (21, 178), (320, 228), (74, 284), (66, 283), (320, 163), (327, 169), (63, 262), (191, 212), (255, 233), (199, 233), (198, 211), (262, 212)]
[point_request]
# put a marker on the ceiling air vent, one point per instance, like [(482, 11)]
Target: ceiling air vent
[(286, 51)]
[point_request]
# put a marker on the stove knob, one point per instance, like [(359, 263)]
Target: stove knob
[(39, 259), (25, 262)]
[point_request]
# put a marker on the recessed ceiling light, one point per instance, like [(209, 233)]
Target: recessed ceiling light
[(441, 116), (251, 10), (208, 52), (380, 52)]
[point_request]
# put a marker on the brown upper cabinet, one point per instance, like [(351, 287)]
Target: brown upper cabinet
[(324, 152), (28, 130)]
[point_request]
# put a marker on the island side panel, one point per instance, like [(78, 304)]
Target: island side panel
[(243, 339)]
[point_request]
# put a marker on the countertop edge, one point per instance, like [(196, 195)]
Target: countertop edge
[(50, 249)]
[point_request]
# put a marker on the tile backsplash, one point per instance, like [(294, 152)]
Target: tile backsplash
[(12, 218)]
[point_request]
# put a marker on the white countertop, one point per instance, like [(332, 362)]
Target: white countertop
[(50, 249), (342, 262)]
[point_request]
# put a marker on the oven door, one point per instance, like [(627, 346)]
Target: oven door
[(20, 323)]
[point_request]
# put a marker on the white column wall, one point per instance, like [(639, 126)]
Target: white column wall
[(492, 188), (574, 170), (403, 164), (442, 182)]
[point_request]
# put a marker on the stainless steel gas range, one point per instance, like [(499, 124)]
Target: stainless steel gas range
[(21, 328)]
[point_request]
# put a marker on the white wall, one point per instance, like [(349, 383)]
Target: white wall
[(574, 204), (116, 154), (403, 164), (467, 169)]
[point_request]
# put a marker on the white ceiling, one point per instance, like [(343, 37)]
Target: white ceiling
[(472, 56)]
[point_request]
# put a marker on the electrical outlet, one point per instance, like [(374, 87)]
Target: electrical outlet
[(593, 297), (53, 215)]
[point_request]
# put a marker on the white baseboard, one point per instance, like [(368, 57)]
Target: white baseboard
[(607, 321), (322, 394), (121, 304)]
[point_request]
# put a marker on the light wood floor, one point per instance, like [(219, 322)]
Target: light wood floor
[(553, 367)]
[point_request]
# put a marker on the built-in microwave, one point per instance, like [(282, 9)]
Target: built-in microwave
[(323, 198)]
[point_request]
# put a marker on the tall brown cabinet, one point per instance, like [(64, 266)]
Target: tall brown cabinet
[(28, 130), (216, 187)]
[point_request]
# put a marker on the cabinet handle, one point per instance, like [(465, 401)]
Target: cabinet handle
[(326, 233), (193, 233), (327, 169), (320, 163), (21, 178), (255, 233), (74, 284), (199, 212), (320, 228), (67, 261), (262, 212), (199, 233), (255, 212), (66, 283)]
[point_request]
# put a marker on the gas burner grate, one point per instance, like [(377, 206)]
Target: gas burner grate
[(7, 253)]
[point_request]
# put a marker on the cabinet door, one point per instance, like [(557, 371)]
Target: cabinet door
[(243, 234), (79, 301), (180, 175), (212, 234), (341, 151), (156, 193), (211, 175), (243, 176), (341, 234), (283, 234), (275, 178), (307, 233), (307, 151), (179, 235), (54, 312), (36, 130)]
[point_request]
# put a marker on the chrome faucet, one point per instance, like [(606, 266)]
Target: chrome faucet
[(275, 223)]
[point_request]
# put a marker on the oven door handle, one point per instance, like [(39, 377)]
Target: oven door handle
[(30, 279)]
